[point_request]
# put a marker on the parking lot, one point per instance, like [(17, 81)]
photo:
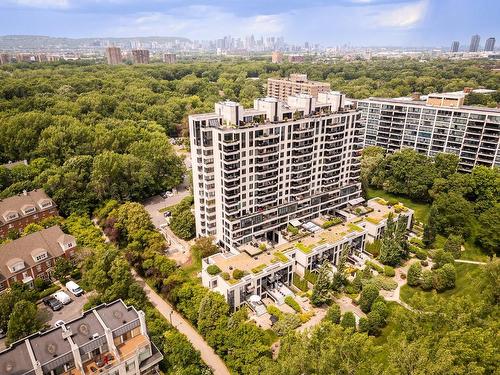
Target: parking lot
[(68, 312)]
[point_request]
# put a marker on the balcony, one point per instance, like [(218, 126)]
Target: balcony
[(266, 143), (265, 160), (261, 185), (267, 151), (305, 135), (266, 176), (301, 160), (302, 167), (266, 168)]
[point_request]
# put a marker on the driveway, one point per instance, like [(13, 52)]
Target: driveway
[(208, 355), (70, 311)]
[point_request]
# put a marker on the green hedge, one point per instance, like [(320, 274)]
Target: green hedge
[(330, 223), (389, 271), (293, 304), (49, 291), (301, 284), (375, 266)]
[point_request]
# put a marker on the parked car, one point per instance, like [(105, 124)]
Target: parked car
[(62, 297), (167, 214), (53, 303), (167, 194), (74, 288), (59, 323)]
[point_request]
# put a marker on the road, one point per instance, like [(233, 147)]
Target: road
[(207, 353)]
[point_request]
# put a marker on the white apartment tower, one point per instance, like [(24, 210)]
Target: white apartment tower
[(255, 170)]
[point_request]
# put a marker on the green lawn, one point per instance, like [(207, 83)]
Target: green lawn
[(421, 209), (468, 276)]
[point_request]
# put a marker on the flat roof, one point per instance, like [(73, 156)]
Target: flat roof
[(116, 314), (49, 345), (84, 328), (16, 360)]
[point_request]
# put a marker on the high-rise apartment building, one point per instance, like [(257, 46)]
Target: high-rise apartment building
[(277, 57), (296, 59), (454, 46), (110, 339), (490, 44), (440, 124), (169, 58), (281, 88), (255, 170), (474, 43), (140, 56), (113, 55)]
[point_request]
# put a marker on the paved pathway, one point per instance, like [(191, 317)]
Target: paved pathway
[(470, 261), (207, 353)]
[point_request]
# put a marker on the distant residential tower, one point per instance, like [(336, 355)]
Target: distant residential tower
[(113, 55), (454, 46), (169, 58), (281, 88), (140, 56), (474, 43), (490, 44)]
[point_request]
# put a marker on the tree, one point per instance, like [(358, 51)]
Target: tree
[(367, 297), (414, 274), (182, 221), (23, 321), (393, 245), (62, 268), (440, 258), (445, 277), (179, 353), (321, 293), (371, 158), (286, 323), (204, 247), (451, 213), (429, 235), (453, 245), (427, 281), (213, 308), (348, 320), (333, 314), (446, 164), (488, 232)]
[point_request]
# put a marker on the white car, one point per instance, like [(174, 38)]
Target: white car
[(74, 288), (62, 297), (59, 323)]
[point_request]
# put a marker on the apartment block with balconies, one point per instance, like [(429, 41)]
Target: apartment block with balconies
[(256, 169), (440, 124), (282, 88), (110, 339)]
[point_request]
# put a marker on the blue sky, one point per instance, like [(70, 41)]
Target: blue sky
[(329, 22)]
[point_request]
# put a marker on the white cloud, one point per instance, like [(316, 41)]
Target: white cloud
[(403, 16)]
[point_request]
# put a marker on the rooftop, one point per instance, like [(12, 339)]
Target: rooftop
[(21, 201), (16, 361)]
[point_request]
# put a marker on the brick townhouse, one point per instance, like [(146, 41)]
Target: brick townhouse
[(25, 208), (34, 255)]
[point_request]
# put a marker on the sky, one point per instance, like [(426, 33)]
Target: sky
[(411, 23)]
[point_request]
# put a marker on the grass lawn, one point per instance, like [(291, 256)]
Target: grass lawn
[(472, 251), (468, 276), (421, 209)]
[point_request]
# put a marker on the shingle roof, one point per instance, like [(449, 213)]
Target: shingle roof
[(17, 202)]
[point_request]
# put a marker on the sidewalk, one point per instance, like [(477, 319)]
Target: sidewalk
[(207, 353)]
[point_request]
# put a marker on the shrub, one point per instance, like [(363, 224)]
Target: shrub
[(427, 281), (330, 223), (238, 274), (293, 230), (414, 274), (225, 275), (374, 248), (445, 277), (47, 292), (421, 254), (392, 202), (273, 310), (305, 317), (385, 283), (213, 269), (301, 284), (440, 258), (375, 266), (293, 304), (389, 271), (333, 314), (417, 241), (262, 246), (424, 263), (348, 320), (367, 297), (312, 277)]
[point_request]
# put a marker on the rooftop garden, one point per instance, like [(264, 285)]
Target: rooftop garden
[(306, 249), (279, 257), (355, 227), (259, 268), (373, 220)]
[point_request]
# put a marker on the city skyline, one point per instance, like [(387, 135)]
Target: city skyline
[(380, 23)]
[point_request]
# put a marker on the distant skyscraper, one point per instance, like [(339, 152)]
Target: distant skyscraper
[(4, 58), (113, 55), (490, 44), (140, 56), (169, 58), (277, 57), (474, 43), (454, 46)]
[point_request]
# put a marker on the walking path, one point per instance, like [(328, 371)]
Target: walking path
[(470, 261), (207, 353)]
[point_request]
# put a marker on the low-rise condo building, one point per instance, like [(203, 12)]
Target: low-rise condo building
[(256, 169), (441, 123), (266, 270), (110, 339)]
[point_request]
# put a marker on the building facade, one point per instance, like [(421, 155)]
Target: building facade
[(454, 46), (114, 55), (140, 56), (281, 88), (28, 207), (296, 59), (489, 45), (277, 57), (268, 272), (5, 58), (440, 124), (254, 170), (169, 58), (110, 339), (474, 43), (34, 256)]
